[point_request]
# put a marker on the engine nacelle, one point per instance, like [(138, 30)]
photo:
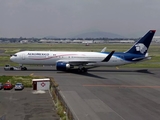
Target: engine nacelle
[(62, 66)]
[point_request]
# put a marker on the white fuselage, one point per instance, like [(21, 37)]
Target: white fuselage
[(52, 57)]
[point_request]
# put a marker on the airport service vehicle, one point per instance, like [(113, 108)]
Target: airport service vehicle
[(19, 86), (8, 67), (7, 85), (67, 60), (1, 86)]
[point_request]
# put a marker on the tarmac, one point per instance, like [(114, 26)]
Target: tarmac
[(106, 93), (26, 105)]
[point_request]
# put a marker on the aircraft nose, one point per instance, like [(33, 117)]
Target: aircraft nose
[(12, 58)]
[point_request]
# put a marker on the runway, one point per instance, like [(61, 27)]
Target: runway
[(106, 93)]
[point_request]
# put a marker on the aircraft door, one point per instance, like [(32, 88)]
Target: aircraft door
[(23, 56)]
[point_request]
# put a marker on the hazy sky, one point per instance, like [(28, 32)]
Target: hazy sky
[(65, 18)]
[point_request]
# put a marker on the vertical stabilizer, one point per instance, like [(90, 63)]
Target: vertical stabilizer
[(141, 46)]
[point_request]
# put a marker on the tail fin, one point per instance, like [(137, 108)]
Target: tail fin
[(141, 46)]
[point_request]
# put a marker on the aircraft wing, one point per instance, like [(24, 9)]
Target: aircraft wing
[(84, 62), (103, 50), (108, 57)]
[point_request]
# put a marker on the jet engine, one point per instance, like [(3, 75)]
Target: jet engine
[(62, 66)]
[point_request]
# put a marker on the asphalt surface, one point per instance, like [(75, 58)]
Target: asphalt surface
[(26, 105), (107, 93)]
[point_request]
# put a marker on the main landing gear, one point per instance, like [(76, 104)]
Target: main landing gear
[(22, 67), (82, 70)]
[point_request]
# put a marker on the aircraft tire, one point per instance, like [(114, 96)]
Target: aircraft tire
[(23, 68), (83, 70)]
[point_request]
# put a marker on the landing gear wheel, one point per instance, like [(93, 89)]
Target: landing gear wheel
[(82, 70), (23, 68)]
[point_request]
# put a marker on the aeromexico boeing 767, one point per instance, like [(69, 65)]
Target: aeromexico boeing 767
[(84, 60)]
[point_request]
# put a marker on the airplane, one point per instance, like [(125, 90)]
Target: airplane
[(65, 61)]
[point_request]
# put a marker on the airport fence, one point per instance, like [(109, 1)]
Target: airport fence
[(64, 112)]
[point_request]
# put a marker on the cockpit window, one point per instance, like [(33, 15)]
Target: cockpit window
[(15, 55)]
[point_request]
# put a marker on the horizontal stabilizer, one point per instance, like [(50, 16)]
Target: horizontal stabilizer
[(141, 58), (108, 57)]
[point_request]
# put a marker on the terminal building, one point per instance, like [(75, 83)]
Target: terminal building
[(156, 39)]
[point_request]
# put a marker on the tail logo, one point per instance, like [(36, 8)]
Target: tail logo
[(141, 47)]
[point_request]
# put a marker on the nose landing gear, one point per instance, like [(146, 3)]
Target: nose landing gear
[(22, 67)]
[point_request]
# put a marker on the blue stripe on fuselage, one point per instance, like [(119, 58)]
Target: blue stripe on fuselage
[(125, 56)]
